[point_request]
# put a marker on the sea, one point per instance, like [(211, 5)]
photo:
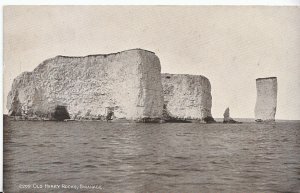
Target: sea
[(93, 156)]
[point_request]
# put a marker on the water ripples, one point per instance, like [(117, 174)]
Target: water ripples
[(134, 157)]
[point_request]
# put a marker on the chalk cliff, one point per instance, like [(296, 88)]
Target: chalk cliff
[(127, 83), (187, 97), (266, 101)]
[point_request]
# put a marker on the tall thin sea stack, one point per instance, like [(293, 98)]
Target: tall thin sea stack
[(266, 101), (127, 83)]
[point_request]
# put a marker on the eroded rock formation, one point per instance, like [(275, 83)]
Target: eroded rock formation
[(266, 101), (227, 118), (187, 97), (127, 83)]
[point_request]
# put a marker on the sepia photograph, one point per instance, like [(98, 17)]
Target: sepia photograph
[(151, 99)]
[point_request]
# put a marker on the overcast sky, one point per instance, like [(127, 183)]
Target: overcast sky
[(231, 46)]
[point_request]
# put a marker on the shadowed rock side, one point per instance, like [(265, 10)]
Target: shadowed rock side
[(127, 83), (187, 97), (266, 101)]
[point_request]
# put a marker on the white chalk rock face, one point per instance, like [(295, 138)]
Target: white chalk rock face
[(128, 83), (187, 97), (266, 102)]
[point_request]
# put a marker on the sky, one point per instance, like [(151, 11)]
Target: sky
[(230, 45)]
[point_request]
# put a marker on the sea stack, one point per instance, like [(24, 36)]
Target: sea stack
[(227, 118), (266, 101), (127, 83), (187, 97)]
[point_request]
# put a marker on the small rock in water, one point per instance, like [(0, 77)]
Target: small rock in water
[(227, 118)]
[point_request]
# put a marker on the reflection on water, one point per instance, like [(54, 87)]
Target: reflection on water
[(133, 157)]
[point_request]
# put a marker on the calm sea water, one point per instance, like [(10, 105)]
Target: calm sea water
[(136, 157)]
